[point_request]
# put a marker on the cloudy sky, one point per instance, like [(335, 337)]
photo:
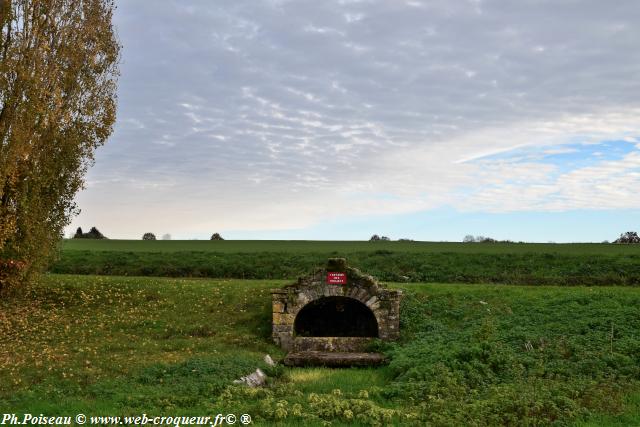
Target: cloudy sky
[(339, 119)]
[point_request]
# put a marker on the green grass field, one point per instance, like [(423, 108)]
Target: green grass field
[(522, 264), (468, 355), (343, 247)]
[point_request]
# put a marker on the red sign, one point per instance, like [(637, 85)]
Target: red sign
[(336, 278)]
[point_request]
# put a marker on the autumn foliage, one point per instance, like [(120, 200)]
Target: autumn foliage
[(58, 70)]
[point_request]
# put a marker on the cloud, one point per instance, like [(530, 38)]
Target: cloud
[(258, 115), (608, 185)]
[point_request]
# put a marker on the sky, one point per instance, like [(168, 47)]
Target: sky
[(338, 119)]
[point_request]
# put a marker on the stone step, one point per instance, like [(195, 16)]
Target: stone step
[(333, 359), (331, 344)]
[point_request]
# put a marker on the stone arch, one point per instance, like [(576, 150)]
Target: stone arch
[(291, 300)]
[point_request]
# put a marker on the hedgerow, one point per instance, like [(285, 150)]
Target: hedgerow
[(439, 267)]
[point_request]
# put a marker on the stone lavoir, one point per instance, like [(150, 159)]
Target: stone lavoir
[(331, 317)]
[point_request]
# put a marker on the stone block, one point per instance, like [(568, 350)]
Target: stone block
[(278, 307), (352, 292), (361, 294), (277, 329), (283, 319), (302, 299)]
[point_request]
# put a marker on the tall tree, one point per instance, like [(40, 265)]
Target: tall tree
[(58, 75)]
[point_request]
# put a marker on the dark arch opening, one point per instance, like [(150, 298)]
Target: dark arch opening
[(336, 317)]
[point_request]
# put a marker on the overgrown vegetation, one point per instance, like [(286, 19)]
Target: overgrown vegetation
[(535, 268), (58, 68), (507, 355), (469, 355)]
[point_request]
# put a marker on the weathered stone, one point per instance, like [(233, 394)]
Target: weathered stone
[(283, 328), (333, 359), (341, 300), (269, 361), (303, 298), (312, 293), (278, 307), (345, 344), (256, 379), (283, 319), (285, 341), (362, 294)]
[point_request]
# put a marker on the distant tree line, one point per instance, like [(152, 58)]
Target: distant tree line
[(376, 238), (91, 234), (482, 239), (630, 237), (94, 233)]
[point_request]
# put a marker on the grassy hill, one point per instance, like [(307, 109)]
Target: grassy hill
[(468, 355)]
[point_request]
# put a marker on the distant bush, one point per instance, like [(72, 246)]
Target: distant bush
[(376, 238), (482, 239), (630, 237), (216, 236), (166, 236), (92, 234), (148, 236)]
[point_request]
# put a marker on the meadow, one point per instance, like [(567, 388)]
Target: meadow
[(342, 247), (477, 354), (418, 262)]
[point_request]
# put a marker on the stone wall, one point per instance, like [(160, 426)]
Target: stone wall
[(288, 301)]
